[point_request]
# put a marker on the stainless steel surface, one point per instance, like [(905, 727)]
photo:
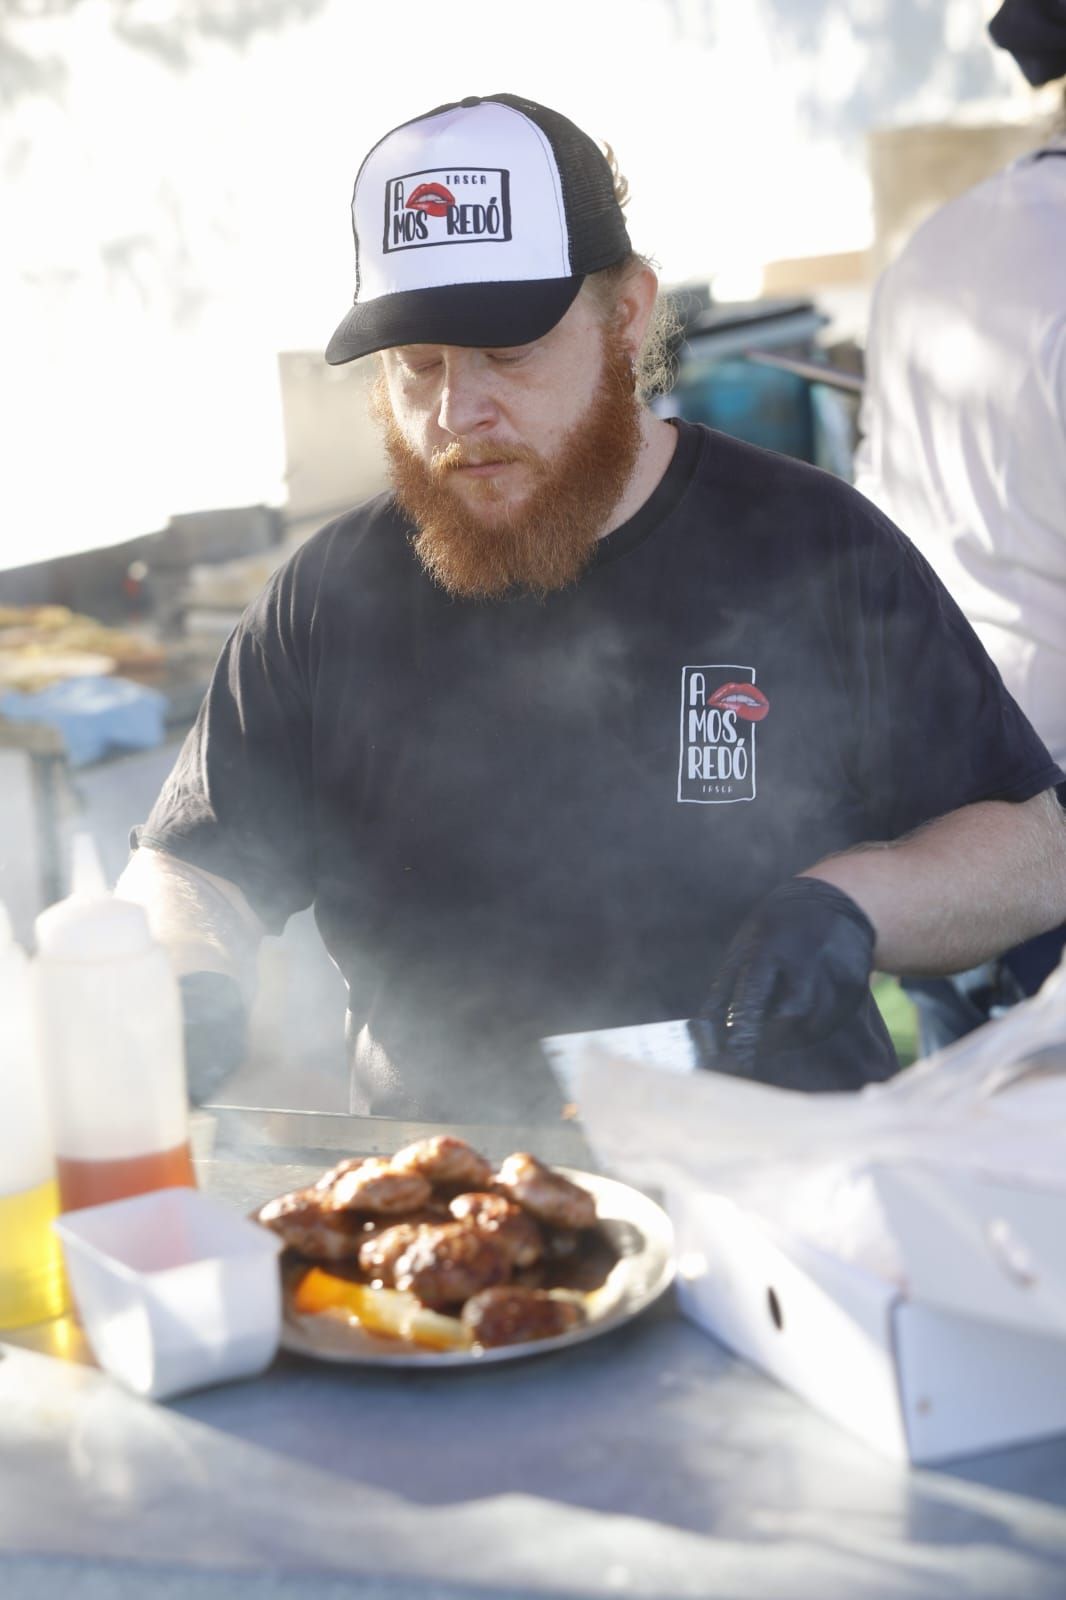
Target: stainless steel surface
[(248, 1133), (646, 1463)]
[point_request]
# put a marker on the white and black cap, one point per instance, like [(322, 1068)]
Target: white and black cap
[(477, 224)]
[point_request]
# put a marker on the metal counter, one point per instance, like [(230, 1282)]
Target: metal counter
[(644, 1463)]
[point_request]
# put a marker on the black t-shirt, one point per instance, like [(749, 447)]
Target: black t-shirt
[(524, 817)]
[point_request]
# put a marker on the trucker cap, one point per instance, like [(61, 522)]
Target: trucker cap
[(1034, 32), (476, 224)]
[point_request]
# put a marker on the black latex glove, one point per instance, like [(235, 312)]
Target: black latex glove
[(798, 968), (216, 1031)]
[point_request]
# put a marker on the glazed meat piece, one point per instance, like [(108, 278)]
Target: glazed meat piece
[(377, 1188), (445, 1160), (379, 1255), (304, 1225), (446, 1264), (510, 1315), (499, 1218), (330, 1176), (550, 1197)]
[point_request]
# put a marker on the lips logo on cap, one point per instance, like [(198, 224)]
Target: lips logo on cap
[(743, 698), (447, 205), (432, 198)]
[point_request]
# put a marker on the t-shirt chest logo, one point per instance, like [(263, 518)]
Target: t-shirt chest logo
[(448, 205), (720, 710)]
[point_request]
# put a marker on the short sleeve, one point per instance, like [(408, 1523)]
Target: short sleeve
[(238, 801), (937, 729)]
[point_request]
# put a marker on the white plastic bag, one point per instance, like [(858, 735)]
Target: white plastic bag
[(992, 1106)]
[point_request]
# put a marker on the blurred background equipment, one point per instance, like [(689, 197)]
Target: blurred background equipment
[(754, 369)]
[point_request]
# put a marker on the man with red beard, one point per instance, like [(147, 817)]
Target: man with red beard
[(595, 719)]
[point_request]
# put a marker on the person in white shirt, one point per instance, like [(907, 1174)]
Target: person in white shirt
[(963, 444)]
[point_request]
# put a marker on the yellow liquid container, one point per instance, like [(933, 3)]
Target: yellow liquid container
[(31, 1273), (32, 1287)]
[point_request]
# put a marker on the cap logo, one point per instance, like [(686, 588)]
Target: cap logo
[(449, 205)]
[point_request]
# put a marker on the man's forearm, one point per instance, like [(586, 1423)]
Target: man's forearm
[(960, 889), (204, 921)]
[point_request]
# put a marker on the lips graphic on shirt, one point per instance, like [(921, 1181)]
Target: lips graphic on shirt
[(432, 198), (743, 698)]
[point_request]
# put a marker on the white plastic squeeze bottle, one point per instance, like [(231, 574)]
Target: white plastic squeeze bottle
[(31, 1268), (111, 1029)]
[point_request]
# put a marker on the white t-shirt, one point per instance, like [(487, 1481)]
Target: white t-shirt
[(964, 418)]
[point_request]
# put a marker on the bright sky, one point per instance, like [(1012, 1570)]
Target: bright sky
[(174, 230)]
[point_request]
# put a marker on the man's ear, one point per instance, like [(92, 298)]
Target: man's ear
[(634, 307)]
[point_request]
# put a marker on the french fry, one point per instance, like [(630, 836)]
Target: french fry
[(391, 1313)]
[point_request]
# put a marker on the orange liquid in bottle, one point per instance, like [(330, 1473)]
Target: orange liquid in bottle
[(92, 1183)]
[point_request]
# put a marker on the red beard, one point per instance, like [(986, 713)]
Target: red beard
[(546, 542)]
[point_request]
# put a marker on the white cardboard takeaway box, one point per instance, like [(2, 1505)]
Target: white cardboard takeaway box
[(962, 1347), (957, 1365)]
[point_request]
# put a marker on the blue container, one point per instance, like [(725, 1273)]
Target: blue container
[(718, 386), (95, 715)]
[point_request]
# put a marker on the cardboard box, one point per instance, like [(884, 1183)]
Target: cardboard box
[(971, 1358), (957, 1343)]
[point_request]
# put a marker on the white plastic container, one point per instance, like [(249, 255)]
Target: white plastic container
[(110, 1021), (174, 1290), (31, 1270)]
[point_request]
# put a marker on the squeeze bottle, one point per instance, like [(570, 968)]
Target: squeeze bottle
[(31, 1269), (110, 1018)]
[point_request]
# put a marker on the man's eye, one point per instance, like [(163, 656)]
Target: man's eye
[(418, 368), (507, 358)]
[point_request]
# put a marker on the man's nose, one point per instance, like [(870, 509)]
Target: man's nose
[(466, 402)]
